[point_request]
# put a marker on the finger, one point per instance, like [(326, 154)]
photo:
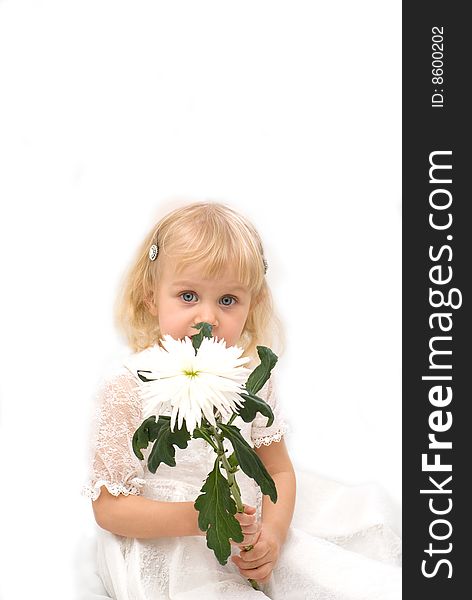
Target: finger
[(247, 543), (253, 527), (249, 510), (242, 544), (255, 564), (258, 551), (250, 538), (245, 519), (249, 529), (258, 574), (249, 560)]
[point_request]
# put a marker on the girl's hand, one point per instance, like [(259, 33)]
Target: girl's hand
[(259, 562), (249, 526)]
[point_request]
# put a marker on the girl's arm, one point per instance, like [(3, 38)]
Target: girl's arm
[(277, 517), (140, 517)]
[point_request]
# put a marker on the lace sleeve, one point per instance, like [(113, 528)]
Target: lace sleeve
[(260, 434), (118, 414)]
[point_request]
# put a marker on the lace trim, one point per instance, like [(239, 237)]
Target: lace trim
[(93, 491), (273, 437)]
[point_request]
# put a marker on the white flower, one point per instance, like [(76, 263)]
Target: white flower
[(192, 385)]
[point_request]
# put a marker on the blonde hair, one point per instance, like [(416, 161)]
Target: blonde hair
[(213, 236)]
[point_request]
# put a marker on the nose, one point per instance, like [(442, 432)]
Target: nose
[(206, 315)]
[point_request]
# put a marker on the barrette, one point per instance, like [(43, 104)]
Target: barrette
[(153, 252)]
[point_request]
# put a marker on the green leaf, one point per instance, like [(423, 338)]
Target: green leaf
[(249, 462), (204, 331), (216, 510), (262, 372), (252, 405), (163, 449), (233, 461), (146, 432), (203, 433)]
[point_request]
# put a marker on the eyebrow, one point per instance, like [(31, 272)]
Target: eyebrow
[(233, 287)]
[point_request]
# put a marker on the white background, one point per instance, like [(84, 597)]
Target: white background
[(113, 112)]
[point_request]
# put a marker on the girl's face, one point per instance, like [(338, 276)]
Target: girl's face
[(187, 298)]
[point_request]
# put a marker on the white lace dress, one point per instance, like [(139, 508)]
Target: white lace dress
[(339, 546)]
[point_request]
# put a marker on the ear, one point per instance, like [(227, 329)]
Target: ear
[(256, 299), (151, 306)]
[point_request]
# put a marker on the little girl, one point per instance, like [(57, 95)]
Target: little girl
[(205, 262)]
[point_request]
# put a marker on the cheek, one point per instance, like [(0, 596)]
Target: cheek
[(238, 325), (167, 321), (244, 316), (173, 319), (164, 317)]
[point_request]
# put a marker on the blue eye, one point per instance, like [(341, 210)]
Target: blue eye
[(230, 298), (188, 296)]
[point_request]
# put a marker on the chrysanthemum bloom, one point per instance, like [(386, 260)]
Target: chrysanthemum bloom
[(192, 384)]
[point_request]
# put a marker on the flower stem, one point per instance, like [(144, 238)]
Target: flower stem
[(233, 485), (232, 418)]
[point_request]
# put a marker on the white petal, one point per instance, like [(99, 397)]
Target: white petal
[(219, 377)]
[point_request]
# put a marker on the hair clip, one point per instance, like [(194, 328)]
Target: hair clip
[(153, 252), (266, 265)]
